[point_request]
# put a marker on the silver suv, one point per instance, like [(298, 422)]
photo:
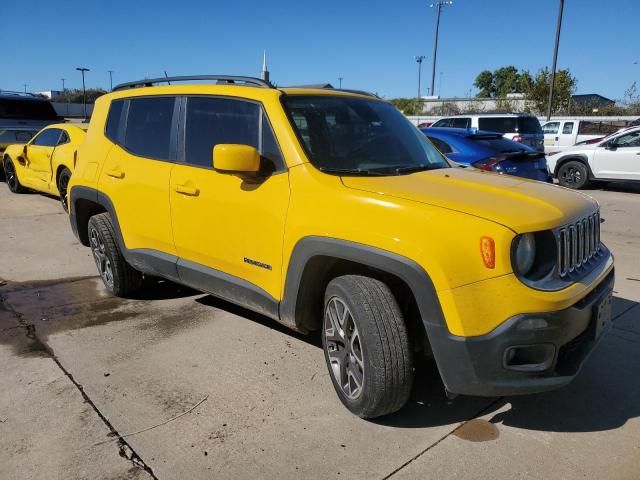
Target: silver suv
[(519, 127)]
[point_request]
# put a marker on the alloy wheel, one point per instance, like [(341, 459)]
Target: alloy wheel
[(63, 183), (343, 347), (99, 255), (10, 175)]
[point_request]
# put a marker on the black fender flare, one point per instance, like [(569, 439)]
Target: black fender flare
[(292, 309)]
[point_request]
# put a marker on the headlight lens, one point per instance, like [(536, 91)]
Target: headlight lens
[(525, 253)]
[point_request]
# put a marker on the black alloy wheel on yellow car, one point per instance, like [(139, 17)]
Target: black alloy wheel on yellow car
[(11, 177), (573, 174), (63, 184), (118, 276), (366, 346)]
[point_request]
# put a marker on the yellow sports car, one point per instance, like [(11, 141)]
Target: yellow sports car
[(46, 162)]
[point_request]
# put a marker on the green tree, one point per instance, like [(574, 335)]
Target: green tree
[(408, 106), (537, 92), (484, 83), (505, 81)]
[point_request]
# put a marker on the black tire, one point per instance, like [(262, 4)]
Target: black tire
[(118, 276), (374, 330), (11, 177), (62, 184), (573, 174)]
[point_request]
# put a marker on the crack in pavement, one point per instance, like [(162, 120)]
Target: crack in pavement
[(124, 448), (441, 439)]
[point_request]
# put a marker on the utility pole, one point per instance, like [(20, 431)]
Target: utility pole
[(419, 59), (555, 58), (63, 89), (340, 81), (110, 79), (84, 91), (438, 6)]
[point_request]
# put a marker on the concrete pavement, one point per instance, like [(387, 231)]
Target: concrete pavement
[(264, 404)]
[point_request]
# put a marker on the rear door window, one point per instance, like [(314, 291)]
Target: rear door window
[(149, 126), (567, 128), (461, 122)]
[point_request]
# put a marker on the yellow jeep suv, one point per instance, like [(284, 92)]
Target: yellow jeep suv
[(326, 210)]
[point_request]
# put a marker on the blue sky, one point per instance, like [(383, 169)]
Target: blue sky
[(371, 44)]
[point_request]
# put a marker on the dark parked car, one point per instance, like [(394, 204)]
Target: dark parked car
[(489, 151)]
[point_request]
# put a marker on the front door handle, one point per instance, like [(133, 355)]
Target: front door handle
[(186, 190), (116, 174)]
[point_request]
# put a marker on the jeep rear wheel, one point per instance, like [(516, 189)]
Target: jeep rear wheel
[(11, 177), (366, 346), (573, 174), (118, 276)]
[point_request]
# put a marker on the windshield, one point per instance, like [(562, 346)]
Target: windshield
[(347, 135), (27, 109)]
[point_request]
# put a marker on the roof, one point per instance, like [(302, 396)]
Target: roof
[(591, 98), (493, 114), (461, 132)]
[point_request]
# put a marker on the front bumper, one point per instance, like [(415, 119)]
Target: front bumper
[(479, 365)]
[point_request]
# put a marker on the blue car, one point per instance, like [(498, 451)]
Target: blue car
[(489, 151)]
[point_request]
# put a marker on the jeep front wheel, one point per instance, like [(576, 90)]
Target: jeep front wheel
[(573, 174), (118, 276), (366, 346)]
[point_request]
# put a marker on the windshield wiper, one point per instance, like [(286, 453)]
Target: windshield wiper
[(351, 171), (416, 168)]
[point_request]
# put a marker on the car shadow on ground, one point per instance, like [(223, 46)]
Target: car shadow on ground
[(622, 187), (604, 396)]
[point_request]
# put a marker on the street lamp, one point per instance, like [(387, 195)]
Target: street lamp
[(63, 89), (111, 78), (419, 59), (555, 58), (438, 6), (84, 90), (25, 87), (340, 80)]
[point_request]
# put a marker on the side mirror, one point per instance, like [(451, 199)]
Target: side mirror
[(611, 146), (228, 157), (24, 150)]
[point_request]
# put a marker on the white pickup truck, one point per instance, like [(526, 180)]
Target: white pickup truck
[(560, 134)]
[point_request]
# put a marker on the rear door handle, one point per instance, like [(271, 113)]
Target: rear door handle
[(115, 173), (186, 190)]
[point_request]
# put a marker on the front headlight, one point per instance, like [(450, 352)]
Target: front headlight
[(524, 253)]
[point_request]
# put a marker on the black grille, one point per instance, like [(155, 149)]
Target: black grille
[(578, 243)]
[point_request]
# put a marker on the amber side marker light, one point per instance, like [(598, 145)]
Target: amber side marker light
[(488, 251)]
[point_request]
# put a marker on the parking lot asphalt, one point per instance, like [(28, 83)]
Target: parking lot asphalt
[(177, 384)]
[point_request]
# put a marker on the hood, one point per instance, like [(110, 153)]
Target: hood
[(519, 204)]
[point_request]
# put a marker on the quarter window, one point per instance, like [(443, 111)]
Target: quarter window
[(47, 138), (113, 122), (440, 145), (149, 125)]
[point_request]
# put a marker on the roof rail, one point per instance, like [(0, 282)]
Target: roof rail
[(221, 79), (359, 92)]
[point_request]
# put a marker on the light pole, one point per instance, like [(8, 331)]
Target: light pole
[(438, 6), (84, 90), (25, 87), (111, 79), (419, 59), (555, 58), (63, 89), (340, 81)]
